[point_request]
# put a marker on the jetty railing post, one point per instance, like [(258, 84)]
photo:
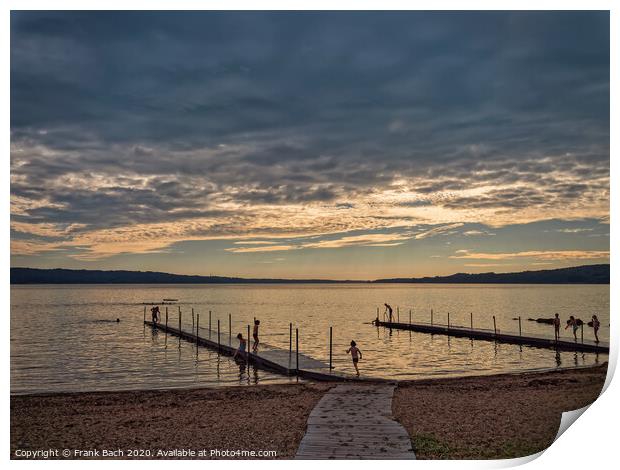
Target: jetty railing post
[(471, 320), (519, 325), (582, 333), (193, 324), (166, 319), (431, 316), (218, 334), (410, 316), (297, 351), (179, 323), (494, 326), (209, 324), (290, 341), (330, 348), (197, 322), (145, 313), (448, 320), (230, 330), (377, 313), (247, 350), (398, 314)]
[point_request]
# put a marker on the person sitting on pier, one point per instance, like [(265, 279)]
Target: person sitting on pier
[(356, 355), (389, 310), (596, 324), (155, 314), (241, 349), (556, 326), (255, 335), (572, 322)]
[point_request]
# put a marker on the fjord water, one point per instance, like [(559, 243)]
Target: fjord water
[(65, 337)]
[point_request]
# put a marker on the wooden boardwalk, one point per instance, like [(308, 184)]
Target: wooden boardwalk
[(268, 357), (491, 335), (355, 422)]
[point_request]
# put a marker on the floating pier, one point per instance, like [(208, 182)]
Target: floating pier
[(494, 335), (290, 363)]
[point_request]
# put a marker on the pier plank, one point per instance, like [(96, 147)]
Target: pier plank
[(355, 422)]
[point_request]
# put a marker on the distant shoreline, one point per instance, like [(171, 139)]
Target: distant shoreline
[(587, 274)]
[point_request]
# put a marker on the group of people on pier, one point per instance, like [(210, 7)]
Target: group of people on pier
[(575, 324)]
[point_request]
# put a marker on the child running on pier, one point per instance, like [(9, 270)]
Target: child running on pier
[(356, 355), (255, 335), (241, 349)]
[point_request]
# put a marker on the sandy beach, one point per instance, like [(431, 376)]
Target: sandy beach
[(481, 417), (501, 416)]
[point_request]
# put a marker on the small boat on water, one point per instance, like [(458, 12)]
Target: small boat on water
[(171, 300)]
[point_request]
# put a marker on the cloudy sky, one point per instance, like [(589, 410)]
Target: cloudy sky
[(331, 145)]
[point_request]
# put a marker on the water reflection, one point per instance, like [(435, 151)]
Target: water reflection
[(58, 342)]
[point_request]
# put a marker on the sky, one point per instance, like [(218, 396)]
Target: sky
[(343, 145)]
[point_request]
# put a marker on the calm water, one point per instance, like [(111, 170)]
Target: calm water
[(64, 338)]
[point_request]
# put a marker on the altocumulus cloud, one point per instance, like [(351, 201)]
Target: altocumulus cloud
[(135, 130)]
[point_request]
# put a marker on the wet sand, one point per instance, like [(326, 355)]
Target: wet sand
[(501, 416), (480, 417)]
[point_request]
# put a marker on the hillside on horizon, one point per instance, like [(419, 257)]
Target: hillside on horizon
[(587, 274)]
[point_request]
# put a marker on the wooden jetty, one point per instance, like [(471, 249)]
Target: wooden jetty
[(494, 335), (290, 362), (353, 421)]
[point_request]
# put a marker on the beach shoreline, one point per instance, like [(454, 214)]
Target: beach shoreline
[(273, 417)]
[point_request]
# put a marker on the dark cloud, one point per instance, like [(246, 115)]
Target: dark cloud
[(302, 107)]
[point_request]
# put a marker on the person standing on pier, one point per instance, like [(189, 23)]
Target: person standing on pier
[(255, 335), (356, 355), (596, 324), (572, 322), (556, 326), (389, 311), (155, 314)]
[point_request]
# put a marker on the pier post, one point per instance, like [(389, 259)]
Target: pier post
[(166, 319), (448, 320), (494, 326), (397, 314), (297, 351), (218, 334), (519, 325), (179, 323), (471, 320), (290, 340), (431, 316), (230, 330), (582, 333), (247, 350), (330, 348), (410, 316), (209, 324), (145, 313), (197, 322)]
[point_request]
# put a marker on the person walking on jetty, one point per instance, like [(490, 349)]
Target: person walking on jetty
[(241, 349), (356, 355), (255, 335), (389, 311), (596, 324), (556, 326), (154, 314), (572, 322)]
